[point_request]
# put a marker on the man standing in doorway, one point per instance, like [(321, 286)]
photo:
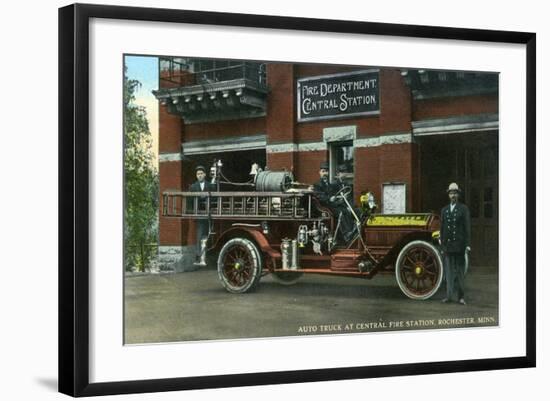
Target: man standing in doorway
[(455, 240), (202, 222)]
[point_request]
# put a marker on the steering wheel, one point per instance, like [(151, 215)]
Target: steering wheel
[(341, 194), (344, 192)]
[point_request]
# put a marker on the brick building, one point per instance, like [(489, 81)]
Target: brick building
[(404, 134)]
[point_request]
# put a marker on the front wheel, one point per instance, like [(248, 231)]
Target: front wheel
[(419, 270), (239, 265)]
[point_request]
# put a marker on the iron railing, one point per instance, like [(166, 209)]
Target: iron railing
[(253, 72)]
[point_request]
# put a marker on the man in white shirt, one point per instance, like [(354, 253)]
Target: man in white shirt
[(202, 222)]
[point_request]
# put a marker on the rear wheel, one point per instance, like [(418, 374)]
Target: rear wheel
[(419, 270), (239, 265)]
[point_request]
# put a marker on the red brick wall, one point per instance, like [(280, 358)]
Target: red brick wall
[(307, 166), (281, 161), (398, 164), (176, 175), (377, 165), (304, 165), (169, 131), (454, 106), (170, 233), (170, 174), (395, 107), (367, 172), (281, 110), (415, 191), (224, 129), (311, 70)]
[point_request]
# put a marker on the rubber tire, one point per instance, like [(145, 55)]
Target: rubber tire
[(285, 278), (257, 265), (439, 264)]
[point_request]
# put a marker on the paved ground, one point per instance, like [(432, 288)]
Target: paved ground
[(194, 306)]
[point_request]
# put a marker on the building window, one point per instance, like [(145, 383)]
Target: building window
[(341, 155), (172, 65), (174, 70)]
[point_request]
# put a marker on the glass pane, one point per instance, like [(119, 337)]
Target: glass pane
[(164, 64), (206, 65), (344, 156), (474, 164), (220, 64), (490, 162), (488, 194), (176, 67), (460, 166), (488, 211), (475, 204)]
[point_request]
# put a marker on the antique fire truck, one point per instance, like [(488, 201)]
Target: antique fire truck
[(280, 229)]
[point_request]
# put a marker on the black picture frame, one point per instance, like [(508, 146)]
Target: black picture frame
[(74, 191)]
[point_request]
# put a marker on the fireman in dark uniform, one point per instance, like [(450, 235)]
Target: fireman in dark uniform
[(455, 241), (325, 192), (323, 188), (202, 223)]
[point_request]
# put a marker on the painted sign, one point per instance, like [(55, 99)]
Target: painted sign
[(394, 198), (399, 220), (338, 95)]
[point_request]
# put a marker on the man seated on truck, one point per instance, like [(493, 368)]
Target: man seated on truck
[(326, 193), (323, 188)]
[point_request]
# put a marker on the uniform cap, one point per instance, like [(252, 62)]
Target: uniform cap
[(453, 186), (198, 168), (324, 165)]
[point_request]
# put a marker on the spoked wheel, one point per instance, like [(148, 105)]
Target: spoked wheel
[(239, 265), (419, 270), (286, 278)]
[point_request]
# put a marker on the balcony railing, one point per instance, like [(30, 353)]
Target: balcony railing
[(221, 90), (180, 77)]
